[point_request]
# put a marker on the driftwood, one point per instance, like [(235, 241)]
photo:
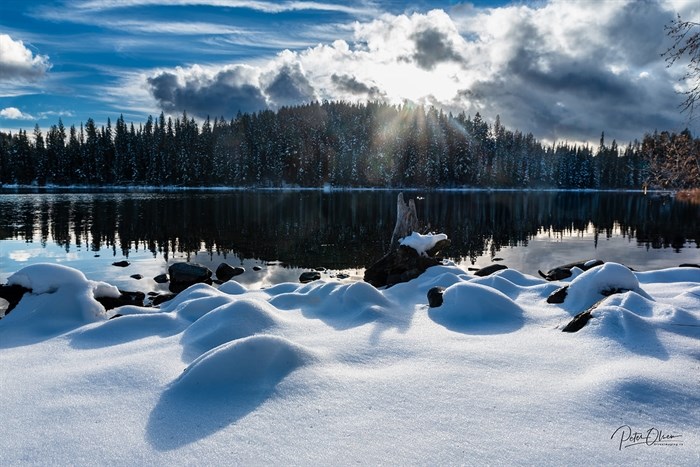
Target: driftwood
[(406, 221), (402, 263)]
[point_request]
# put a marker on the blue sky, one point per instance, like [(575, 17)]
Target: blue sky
[(560, 69)]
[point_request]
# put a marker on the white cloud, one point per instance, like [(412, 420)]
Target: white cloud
[(259, 5), (17, 62), (13, 113), (560, 70)]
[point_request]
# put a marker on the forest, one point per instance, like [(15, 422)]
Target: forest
[(339, 144)]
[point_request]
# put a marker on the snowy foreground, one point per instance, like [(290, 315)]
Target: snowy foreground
[(332, 373)]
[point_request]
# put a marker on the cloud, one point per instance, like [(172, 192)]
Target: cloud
[(558, 69), (17, 62), (13, 113), (351, 85), (204, 92)]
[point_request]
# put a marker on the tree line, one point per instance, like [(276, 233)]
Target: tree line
[(340, 144)]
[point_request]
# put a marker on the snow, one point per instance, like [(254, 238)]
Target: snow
[(338, 373), (422, 243)]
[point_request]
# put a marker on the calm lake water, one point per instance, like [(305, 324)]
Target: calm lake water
[(285, 232)]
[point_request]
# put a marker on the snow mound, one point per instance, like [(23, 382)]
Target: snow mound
[(232, 288), (62, 299), (234, 320), (196, 301), (127, 328), (246, 364), (589, 287), (477, 309), (340, 305), (422, 243)]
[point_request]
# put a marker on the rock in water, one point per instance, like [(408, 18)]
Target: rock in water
[(183, 275), (121, 264), (309, 276), (161, 278), (435, 297), (226, 272)]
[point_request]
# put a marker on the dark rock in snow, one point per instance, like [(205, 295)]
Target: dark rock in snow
[(138, 277), (183, 275), (161, 278), (562, 272), (121, 264), (689, 265), (161, 298), (435, 297), (257, 268), (226, 272), (401, 265), (490, 269), (559, 295), (309, 276), (118, 315), (126, 298), (13, 294), (579, 321)]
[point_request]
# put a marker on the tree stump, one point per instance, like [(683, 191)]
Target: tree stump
[(406, 221)]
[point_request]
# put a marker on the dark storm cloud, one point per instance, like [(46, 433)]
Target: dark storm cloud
[(432, 48), (224, 94), (350, 84), (620, 87), (289, 86)]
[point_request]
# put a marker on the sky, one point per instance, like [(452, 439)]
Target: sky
[(563, 70)]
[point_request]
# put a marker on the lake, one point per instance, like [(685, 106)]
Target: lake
[(285, 232)]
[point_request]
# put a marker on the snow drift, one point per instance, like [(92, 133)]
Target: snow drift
[(336, 373)]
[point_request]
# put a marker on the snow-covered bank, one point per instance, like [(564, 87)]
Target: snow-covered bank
[(342, 373)]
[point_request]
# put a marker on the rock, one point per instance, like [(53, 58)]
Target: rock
[(226, 272), (562, 272), (490, 269), (342, 275), (689, 265), (161, 278), (579, 321), (138, 277), (497, 258), (118, 315), (121, 264), (438, 247), (183, 275), (559, 295), (435, 297), (320, 269), (401, 265), (309, 276), (13, 294), (126, 298), (257, 268), (161, 298)]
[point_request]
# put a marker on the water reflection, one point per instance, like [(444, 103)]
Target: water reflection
[(337, 230)]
